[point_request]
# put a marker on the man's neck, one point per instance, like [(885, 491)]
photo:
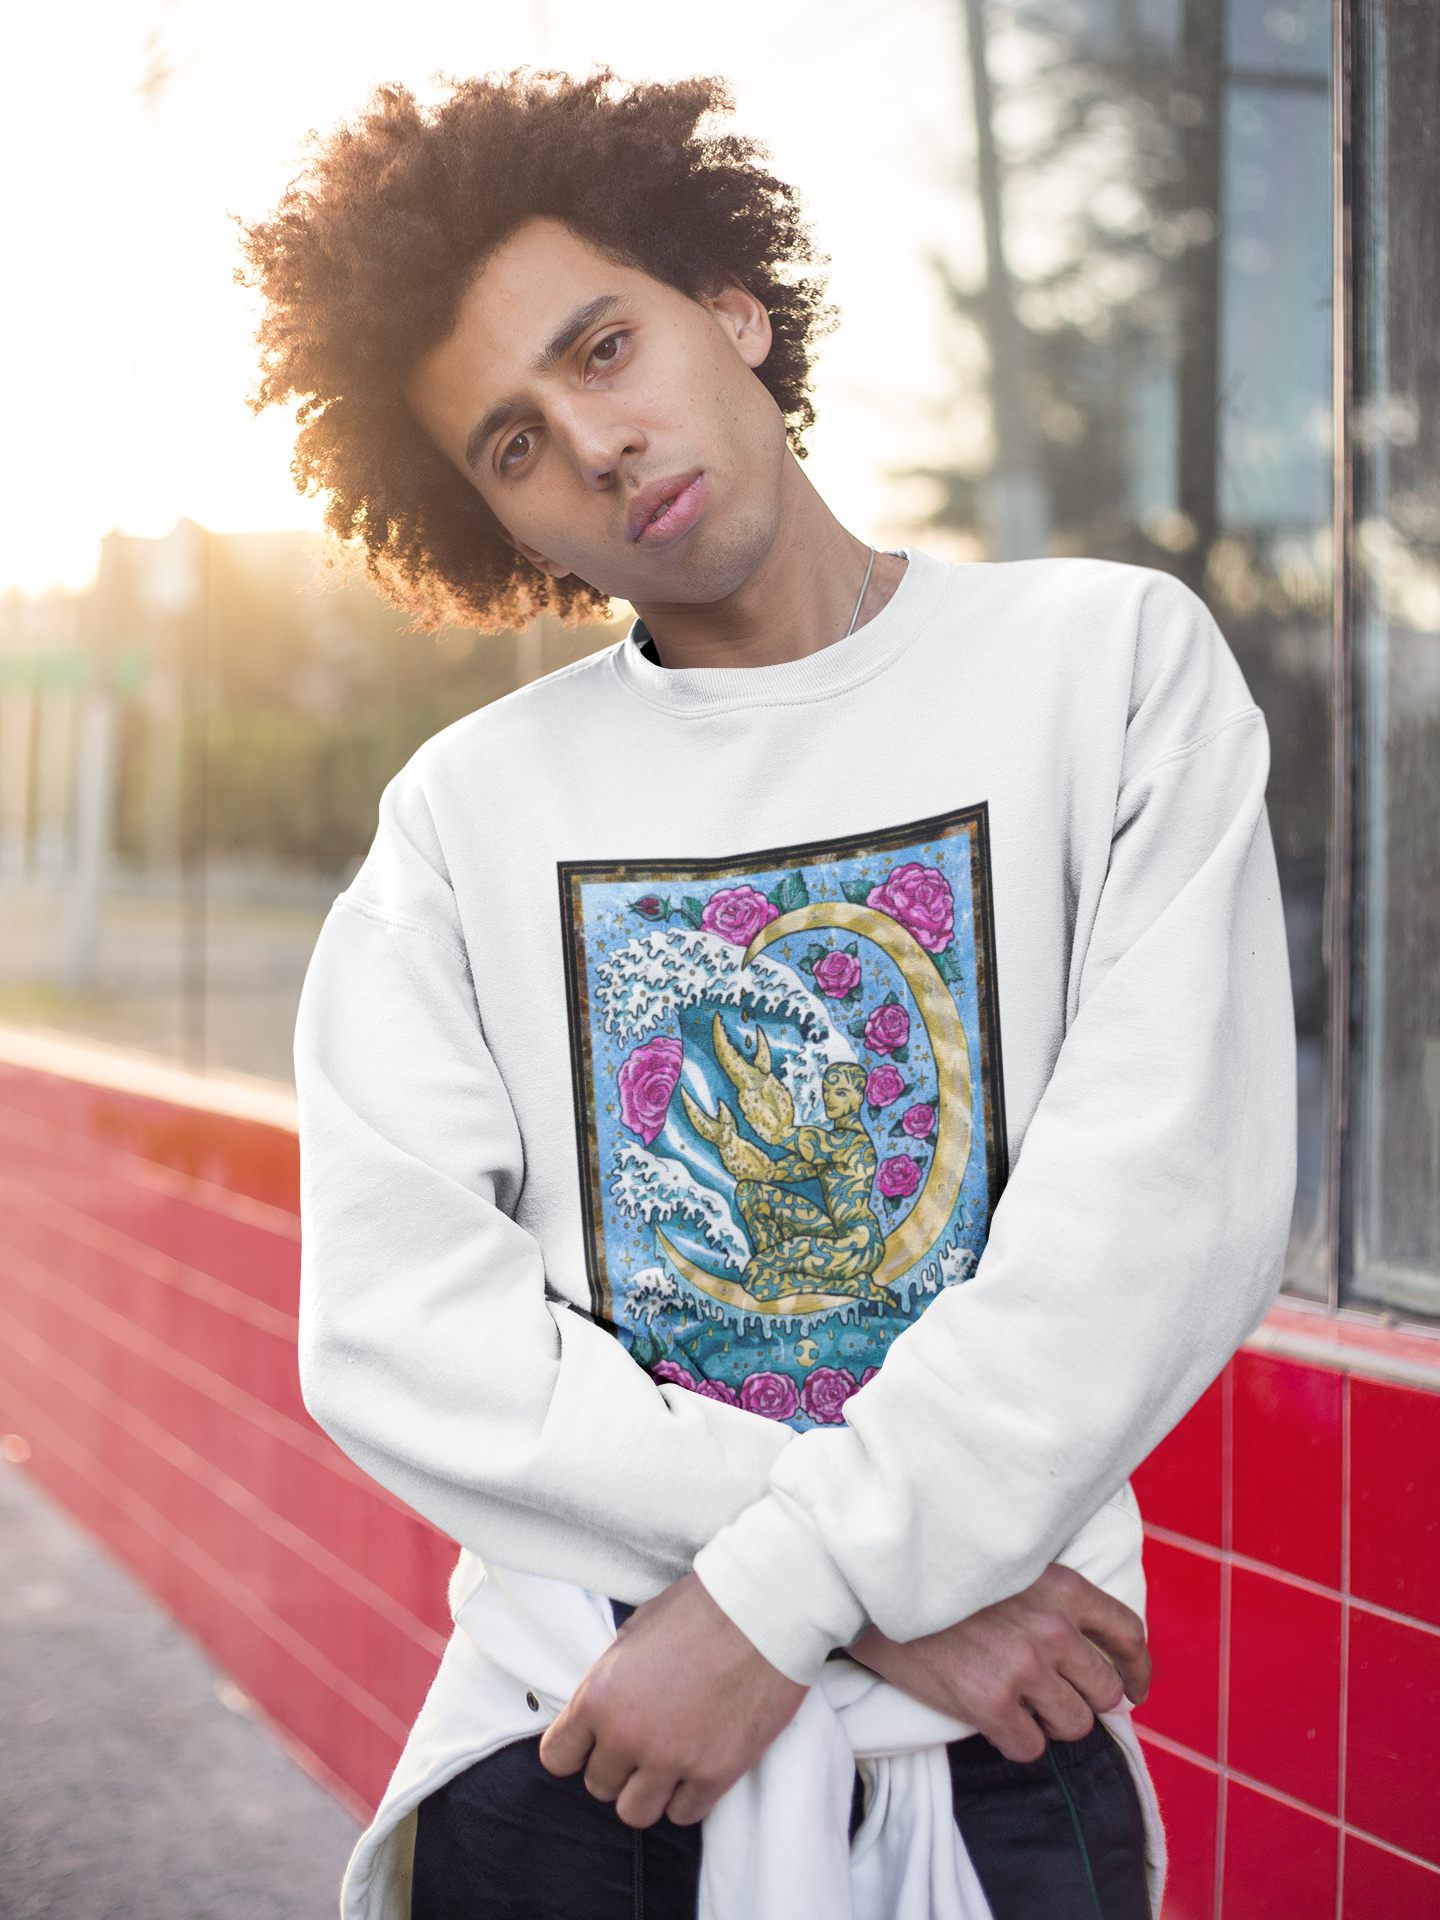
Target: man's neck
[(799, 600)]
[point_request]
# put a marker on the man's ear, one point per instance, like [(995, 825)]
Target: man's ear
[(746, 321), (534, 556)]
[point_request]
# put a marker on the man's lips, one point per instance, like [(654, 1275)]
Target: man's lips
[(665, 509)]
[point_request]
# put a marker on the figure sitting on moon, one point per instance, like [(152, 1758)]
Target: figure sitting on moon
[(807, 1259), (798, 1247)]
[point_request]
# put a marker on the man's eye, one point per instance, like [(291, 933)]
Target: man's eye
[(605, 351), (517, 450)]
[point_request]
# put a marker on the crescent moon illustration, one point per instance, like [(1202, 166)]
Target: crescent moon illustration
[(732, 1294), (925, 1222)]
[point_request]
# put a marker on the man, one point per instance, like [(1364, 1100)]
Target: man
[(827, 826), (835, 1246)]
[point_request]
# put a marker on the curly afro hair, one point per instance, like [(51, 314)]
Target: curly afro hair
[(363, 265)]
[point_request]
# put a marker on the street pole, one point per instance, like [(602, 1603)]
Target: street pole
[(1014, 501)]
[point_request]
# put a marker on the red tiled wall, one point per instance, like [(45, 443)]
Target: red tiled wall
[(1293, 1524), (149, 1279), (149, 1270)]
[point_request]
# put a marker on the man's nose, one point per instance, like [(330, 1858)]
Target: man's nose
[(600, 441)]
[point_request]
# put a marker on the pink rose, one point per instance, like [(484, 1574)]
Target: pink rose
[(921, 900), (868, 1375), (717, 1390), (898, 1177), (737, 914), (884, 1085), (772, 1395), (647, 1081), (825, 1392), (887, 1028), (919, 1121), (671, 1374), (837, 973)]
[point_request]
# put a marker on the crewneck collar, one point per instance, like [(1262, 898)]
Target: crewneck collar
[(835, 669)]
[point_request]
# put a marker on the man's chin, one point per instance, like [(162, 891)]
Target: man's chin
[(711, 570)]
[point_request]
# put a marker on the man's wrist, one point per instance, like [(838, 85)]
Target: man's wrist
[(772, 1574)]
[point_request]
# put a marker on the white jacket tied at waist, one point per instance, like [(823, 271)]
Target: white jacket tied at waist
[(777, 1846)]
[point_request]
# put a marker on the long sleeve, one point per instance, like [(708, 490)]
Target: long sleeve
[(1140, 1238), (452, 1256), (431, 1348)]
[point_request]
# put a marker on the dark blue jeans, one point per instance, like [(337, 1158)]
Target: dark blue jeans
[(1059, 1838)]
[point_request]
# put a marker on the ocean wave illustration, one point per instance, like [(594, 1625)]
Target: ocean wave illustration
[(652, 1189), (659, 973)]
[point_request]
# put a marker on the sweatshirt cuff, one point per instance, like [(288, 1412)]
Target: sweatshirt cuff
[(771, 1573)]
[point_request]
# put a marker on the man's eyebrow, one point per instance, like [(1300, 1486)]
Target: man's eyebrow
[(579, 322), (548, 358), (502, 411)]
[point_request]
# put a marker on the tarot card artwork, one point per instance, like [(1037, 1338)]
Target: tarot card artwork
[(789, 1103)]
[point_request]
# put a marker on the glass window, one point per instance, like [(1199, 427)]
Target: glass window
[(1157, 317), (1393, 1247)]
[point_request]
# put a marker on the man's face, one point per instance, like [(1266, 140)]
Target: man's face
[(615, 428), (840, 1095)]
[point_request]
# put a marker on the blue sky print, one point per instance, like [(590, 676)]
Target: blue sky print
[(789, 1103)]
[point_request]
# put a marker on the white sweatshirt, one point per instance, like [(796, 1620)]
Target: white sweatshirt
[(975, 913)]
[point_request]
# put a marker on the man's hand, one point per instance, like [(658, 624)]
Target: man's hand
[(1025, 1667), (671, 1716)]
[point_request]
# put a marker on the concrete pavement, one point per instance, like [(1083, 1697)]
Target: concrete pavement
[(133, 1785)]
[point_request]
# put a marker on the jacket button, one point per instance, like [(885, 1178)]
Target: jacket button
[(532, 1702)]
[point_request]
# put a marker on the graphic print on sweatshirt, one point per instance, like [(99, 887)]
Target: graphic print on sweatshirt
[(789, 1103)]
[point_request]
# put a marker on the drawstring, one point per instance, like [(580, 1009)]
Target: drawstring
[(1075, 1823)]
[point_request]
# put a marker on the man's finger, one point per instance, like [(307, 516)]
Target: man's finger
[(1093, 1677), (645, 1796), (607, 1774), (1061, 1711), (691, 1803), (1017, 1734), (1120, 1633), (1126, 1648), (566, 1743), (1136, 1675)]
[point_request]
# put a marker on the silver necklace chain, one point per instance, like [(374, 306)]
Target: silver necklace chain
[(864, 589)]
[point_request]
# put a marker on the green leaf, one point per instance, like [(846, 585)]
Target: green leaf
[(899, 1127), (850, 998), (891, 1000), (692, 911), (853, 949), (902, 1054), (857, 892), (807, 965), (650, 907), (872, 1111), (947, 965), (856, 1028), (792, 893)]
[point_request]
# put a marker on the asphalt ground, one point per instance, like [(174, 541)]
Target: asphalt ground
[(134, 1783)]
